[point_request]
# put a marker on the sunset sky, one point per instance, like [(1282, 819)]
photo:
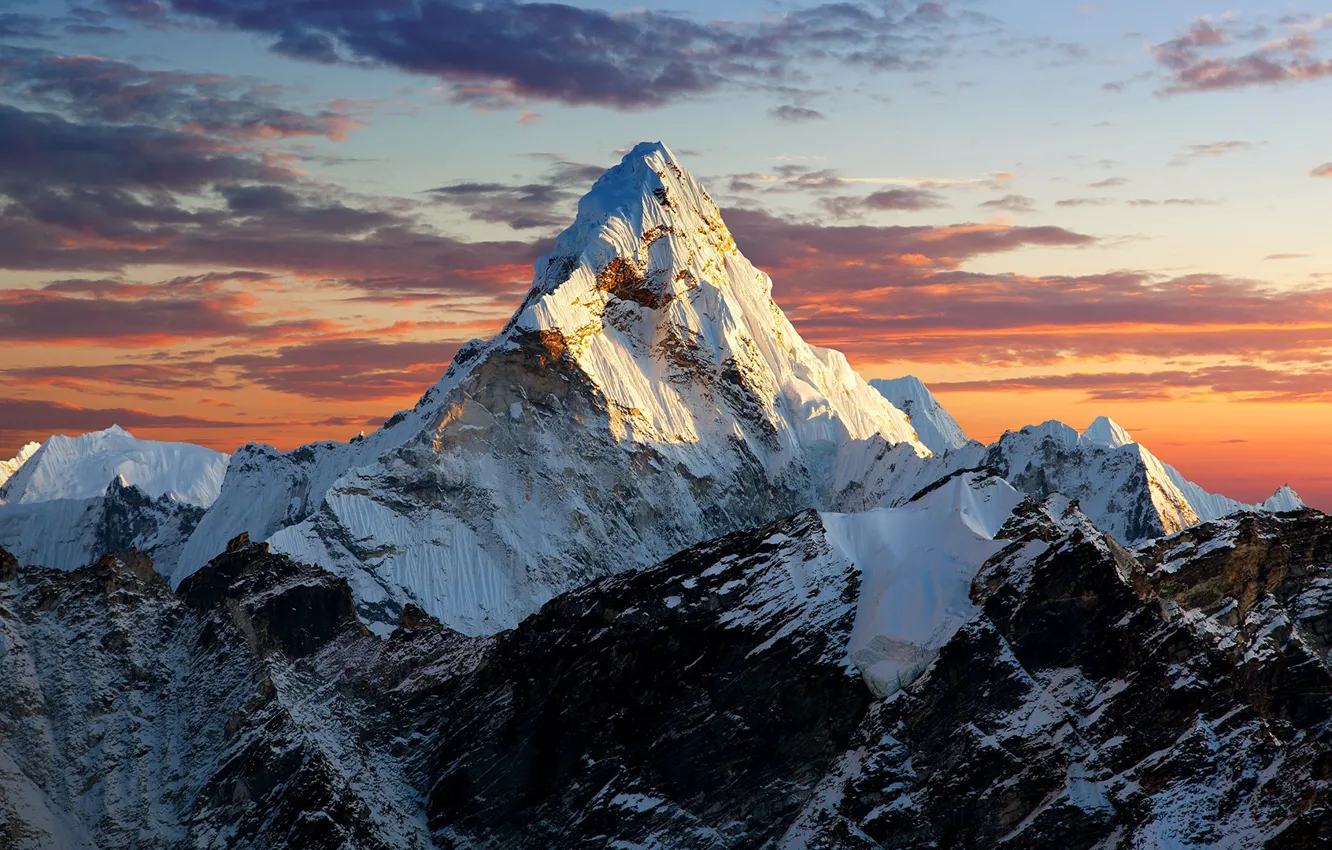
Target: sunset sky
[(276, 220)]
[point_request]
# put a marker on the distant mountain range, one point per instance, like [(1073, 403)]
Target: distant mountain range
[(649, 570)]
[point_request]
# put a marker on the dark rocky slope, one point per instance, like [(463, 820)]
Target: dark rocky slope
[(1174, 696)]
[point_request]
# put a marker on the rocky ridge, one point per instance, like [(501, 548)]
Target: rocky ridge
[(1090, 696)]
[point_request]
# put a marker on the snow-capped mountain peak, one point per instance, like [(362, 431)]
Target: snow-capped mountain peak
[(647, 394), (1105, 431), (83, 467), (1284, 499), (934, 425), (648, 295)]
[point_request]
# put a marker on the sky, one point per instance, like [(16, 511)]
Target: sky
[(270, 220)]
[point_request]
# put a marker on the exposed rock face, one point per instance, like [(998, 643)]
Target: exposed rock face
[(1178, 695), (1122, 487), (239, 715), (695, 704), (1093, 705)]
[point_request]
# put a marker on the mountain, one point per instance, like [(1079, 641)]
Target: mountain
[(73, 499), (9, 467), (1284, 499), (1121, 486), (1177, 696), (83, 467), (1044, 685), (245, 710), (934, 425), (647, 394)]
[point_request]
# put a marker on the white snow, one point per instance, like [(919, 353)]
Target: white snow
[(84, 466), (9, 467), (917, 564), (1104, 431), (1121, 486), (1284, 499), (936, 428)]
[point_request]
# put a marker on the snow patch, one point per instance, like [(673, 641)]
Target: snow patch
[(917, 564)]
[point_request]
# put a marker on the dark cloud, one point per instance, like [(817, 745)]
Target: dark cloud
[(23, 25), (1173, 202), (112, 312), (89, 195), (904, 199), (31, 416), (871, 290), (1084, 202), (1110, 182), (43, 148), (346, 369), (770, 240), (501, 52), (1012, 203), (1209, 57), (786, 177), (796, 114), (152, 376), (104, 90), (527, 206), (888, 200)]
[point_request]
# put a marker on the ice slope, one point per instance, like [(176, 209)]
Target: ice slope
[(1284, 499), (648, 394), (934, 425), (9, 467), (69, 533), (82, 467), (265, 490), (917, 563)]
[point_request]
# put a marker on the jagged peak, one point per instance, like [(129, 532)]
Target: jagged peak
[(646, 231), (1104, 431), (933, 423), (1284, 499), (1065, 435)]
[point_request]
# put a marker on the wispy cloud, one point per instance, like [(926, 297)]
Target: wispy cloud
[(796, 114), (1209, 150), (1011, 203), (1215, 56)]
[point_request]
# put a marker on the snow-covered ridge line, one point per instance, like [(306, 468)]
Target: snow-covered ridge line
[(83, 467), (9, 467), (1125, 489), (935, 425)]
